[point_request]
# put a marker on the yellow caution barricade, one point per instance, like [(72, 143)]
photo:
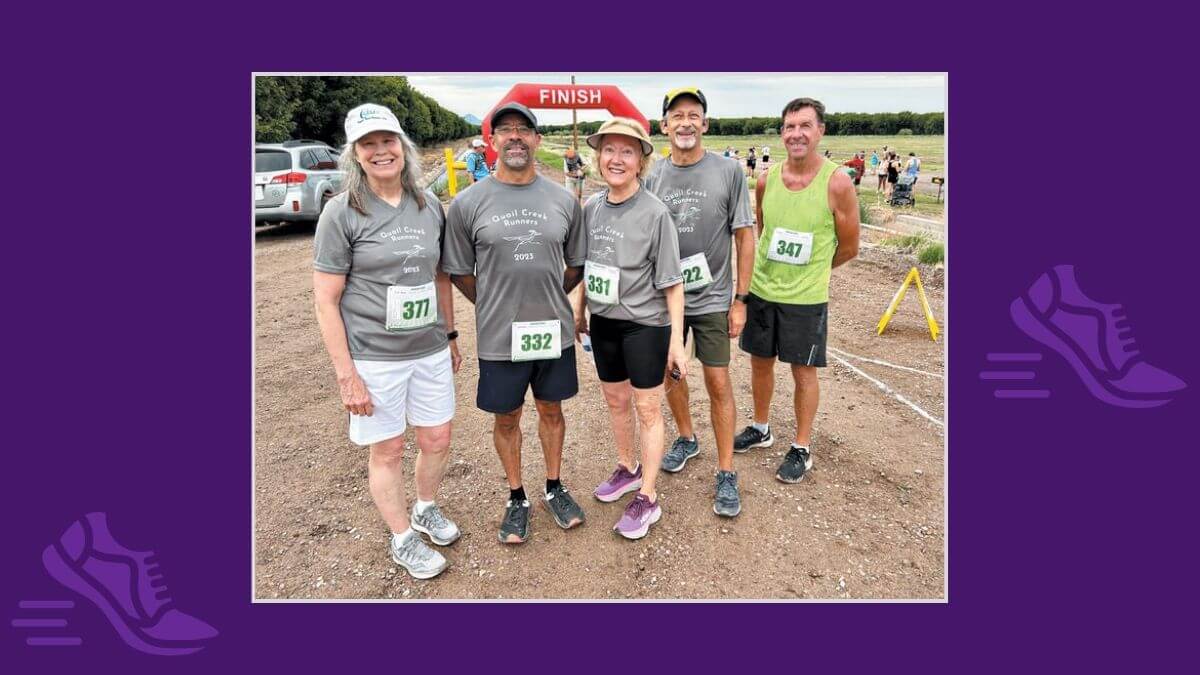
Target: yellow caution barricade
[(913, 276)]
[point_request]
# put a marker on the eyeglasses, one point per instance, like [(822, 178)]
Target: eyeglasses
[(510, 129)]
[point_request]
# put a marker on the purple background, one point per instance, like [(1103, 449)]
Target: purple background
[(129, 322)]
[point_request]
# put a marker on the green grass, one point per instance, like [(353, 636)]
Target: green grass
[(907, 243), (932, 254)]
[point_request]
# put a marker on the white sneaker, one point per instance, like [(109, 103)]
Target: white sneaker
[(413, 555), (441, 530)]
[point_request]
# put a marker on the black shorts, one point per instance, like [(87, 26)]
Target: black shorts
[(502, 384), (794, 333), (626, 350), (750, 163)]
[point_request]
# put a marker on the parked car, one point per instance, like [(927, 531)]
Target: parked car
[(293, 180)]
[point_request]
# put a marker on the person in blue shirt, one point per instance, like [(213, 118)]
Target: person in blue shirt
[(477, 168)]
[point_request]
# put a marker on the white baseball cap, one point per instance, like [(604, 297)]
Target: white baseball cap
[(476, 143), (370, 117)]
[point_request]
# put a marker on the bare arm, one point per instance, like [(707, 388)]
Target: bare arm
[(844, 202), (677, 356), (571, 278), (327, 296), (744, 239), (446, 302), (578, 298), (760, 189), (465, 283)]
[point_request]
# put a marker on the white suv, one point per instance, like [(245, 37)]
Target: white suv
[(293, 180)]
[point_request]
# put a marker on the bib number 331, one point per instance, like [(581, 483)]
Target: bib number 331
[(602, 281), (790, 247)]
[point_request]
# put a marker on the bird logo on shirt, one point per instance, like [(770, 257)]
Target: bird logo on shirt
[(606, 253), (414, 251), (523, 239), (686, 214)]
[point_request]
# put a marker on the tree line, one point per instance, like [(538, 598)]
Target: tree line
[(836, 124), (287, 107)]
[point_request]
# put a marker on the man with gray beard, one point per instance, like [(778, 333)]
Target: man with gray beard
[(708, 197), (515, 246)]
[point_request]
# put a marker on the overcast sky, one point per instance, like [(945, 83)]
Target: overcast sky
[(728, 94)]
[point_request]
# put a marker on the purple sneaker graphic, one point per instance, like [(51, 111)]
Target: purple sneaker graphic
[(619, 484), (1095, 338), (639, 515), (127, 587)]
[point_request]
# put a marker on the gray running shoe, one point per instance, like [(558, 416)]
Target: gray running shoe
[(441, 530), (516, 522), (413, 555), (566, 512), (752, 438), (681, 451), (795, 463), (728, 502)]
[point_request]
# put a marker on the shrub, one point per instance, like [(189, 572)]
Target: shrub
[(904, 132), (932, 254)]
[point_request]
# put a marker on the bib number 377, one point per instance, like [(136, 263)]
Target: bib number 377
[(534, 340), (411, 307), (791, 247)]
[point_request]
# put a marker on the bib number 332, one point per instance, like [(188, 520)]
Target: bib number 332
[(534, 340)]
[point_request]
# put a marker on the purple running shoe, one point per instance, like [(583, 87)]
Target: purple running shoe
[(639, 515), (619, 484), (1095, 338), (127, 587)]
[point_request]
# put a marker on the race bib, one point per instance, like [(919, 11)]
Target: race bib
[(695, 272), (791, 247), (601, 282), (533, 340), (411, 307)]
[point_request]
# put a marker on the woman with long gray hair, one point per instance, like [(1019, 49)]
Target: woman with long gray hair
[(386, 316)]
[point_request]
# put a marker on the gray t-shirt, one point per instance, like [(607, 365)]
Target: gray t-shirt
[(516, 240), (390, 246), (709, 200), (638, 237)]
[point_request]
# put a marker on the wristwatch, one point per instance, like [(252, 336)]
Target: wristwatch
[(744, 298), (452, 335)]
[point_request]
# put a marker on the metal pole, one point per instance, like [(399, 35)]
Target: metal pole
[(575, 146)]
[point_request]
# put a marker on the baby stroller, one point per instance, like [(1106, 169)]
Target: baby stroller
[(902, 191)]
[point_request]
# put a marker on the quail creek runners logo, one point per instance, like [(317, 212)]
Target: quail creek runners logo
[(605, 253), (414, 252), (525, 239), (127, 586)]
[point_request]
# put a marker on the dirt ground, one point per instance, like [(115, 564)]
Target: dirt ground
[(866, 522)]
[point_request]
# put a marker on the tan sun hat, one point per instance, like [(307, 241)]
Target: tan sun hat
[(622, 126)]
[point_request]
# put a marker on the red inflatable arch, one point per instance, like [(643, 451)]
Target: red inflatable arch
[(578, 96)]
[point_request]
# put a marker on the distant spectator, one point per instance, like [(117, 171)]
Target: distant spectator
[(874, 161), (893, 173), (750, 162), (729, 151), (766, 156), (574, 172), (858, 165), (913, 167), (881, 172), (477, 168)]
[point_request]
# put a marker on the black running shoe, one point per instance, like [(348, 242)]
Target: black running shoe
[(795, 464), (752, 438), (515, 528), (566, 512)]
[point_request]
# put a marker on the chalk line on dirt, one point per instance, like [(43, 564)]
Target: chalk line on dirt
[(884, 363), (888, 390)]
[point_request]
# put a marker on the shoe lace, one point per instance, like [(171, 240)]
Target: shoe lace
[(513, 515), (795, 455), (414, 550), (726, 483), (433, 515), (1124, 330), (637, 507), (157, 579), (617, 473)]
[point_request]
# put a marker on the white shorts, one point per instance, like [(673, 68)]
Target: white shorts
[(418, 392)]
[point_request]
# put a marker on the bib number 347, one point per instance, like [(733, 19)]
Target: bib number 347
[(790, 247)]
